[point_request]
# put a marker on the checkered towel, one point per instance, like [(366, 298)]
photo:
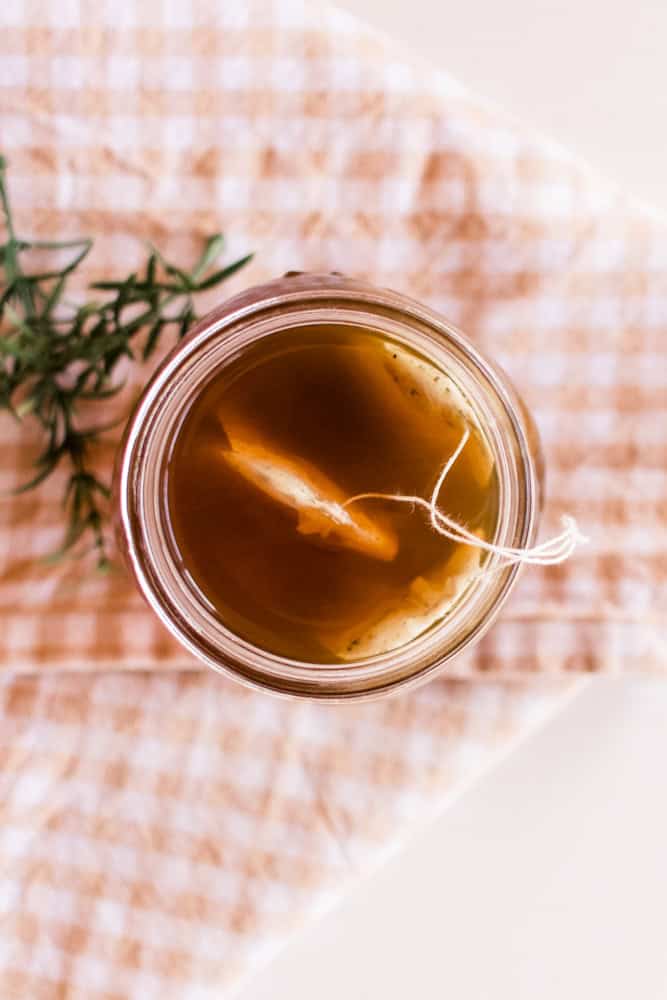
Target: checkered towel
[(162, 829)]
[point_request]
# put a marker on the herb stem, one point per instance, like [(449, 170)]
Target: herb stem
[(55, 353)]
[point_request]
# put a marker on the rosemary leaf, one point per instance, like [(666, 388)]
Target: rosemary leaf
[(55, 354)]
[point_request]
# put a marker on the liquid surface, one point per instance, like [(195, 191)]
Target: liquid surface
[(261, 473)]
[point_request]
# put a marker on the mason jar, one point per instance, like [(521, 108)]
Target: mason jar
[(140, 488)]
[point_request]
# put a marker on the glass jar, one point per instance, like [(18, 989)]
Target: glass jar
[(142, 515)]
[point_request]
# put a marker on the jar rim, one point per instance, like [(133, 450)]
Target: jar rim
[(142, 510)]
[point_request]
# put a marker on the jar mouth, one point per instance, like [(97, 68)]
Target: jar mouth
[(141, 483)]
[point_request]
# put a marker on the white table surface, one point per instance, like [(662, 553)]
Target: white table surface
[(547, 880)]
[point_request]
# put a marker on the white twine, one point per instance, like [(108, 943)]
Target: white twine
[(555, 550)]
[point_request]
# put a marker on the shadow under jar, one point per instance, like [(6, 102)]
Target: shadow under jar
[(263, 489)]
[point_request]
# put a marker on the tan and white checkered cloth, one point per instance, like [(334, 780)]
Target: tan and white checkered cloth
[(161, 830)]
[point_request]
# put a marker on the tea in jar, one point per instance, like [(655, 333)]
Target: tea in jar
[(327, 491), (263, 471)]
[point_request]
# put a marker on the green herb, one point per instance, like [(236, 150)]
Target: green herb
[(54, 355)]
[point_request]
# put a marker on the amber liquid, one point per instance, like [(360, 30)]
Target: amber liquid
[(350, 413)]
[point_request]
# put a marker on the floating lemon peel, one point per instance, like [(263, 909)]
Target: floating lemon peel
[(549, 553), (316, 499)]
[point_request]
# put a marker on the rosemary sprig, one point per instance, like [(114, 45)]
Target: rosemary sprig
[(55, 355)]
